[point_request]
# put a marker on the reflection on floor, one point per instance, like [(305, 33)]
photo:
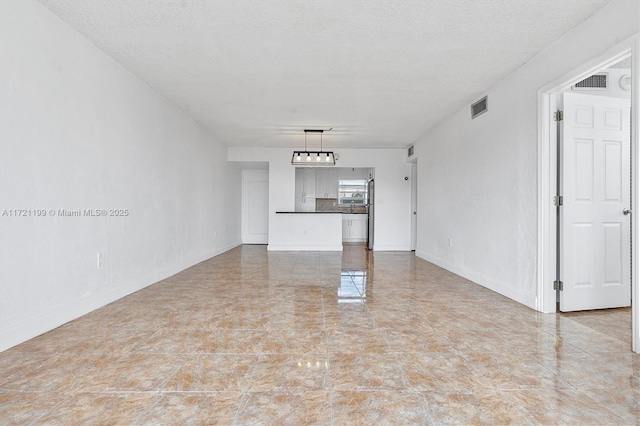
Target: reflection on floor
[(323, 338), (612, 322)]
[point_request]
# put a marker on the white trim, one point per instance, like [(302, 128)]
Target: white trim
[(635, 208), (332, 247), (402, 247), (545, 268), (502, 288)]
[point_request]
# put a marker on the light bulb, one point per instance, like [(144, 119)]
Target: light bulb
[(308, 157), (318, 157), (327, 159), (298, 157)]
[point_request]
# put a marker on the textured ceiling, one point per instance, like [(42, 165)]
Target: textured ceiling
[(380, 73)]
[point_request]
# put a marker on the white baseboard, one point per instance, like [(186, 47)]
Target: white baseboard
[(403, 247), (481, 279), (272, 247)]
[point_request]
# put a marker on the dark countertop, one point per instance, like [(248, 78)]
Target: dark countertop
[(316, 213)]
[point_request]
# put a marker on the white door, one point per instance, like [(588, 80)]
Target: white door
[(595, 233), (255, 206)]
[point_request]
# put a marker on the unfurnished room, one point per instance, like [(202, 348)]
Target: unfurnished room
[(288, 212)]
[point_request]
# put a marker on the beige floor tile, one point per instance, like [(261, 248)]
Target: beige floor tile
[(100, 409), (175, 341), (13, 362), (255, 337), (440, 372), (23, 408), (561, 406), (624, 401), (57, 374), (362, 371), (246, 320), (285, 408), (187, 408), (507, 371), (483, 407), (378, 408), (585, 371), (208, 373), (417, 341), (295, 341), (132, 372), (282, 372), (357, 340)]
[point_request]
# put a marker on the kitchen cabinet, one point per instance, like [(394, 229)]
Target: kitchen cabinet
[(354, 173), (354, 227), (305, 204), (327, 183), (305, 183)]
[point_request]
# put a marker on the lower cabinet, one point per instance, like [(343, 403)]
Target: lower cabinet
[(305, 204), (354, 227)]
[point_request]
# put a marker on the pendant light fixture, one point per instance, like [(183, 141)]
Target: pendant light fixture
[(313, 158)]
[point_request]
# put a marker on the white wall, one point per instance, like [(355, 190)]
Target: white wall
[(477, 178), (393, 193), (306, 232), (77, 131)]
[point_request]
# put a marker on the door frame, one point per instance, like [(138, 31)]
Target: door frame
[(414, 206), (547, 175)]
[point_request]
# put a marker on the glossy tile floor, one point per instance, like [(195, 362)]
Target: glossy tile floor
[(251, 337)]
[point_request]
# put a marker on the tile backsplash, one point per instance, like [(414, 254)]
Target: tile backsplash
[(331, 205)]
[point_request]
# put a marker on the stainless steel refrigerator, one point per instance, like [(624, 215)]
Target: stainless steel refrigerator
[(370, 212)]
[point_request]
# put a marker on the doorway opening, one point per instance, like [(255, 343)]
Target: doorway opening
[(593, 235), (578, 169)]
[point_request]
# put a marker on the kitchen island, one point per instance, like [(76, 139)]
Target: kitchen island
[(306, 231)]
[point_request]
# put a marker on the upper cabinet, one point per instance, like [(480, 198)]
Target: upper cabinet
[(305, 183), (327, 183), (324, 183), (354, 173)]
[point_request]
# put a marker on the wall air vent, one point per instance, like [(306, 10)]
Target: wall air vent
[(479, 108), (595, 82), (410, 151)]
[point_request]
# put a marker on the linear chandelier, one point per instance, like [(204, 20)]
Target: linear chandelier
[(313, 158)]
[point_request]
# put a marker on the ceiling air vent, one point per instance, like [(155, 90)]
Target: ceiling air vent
[(479, 107), (595, 82), (410, 151)]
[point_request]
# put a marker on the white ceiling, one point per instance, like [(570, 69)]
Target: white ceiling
[(380, 73)]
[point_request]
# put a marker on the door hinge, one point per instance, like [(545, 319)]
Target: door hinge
[(558, 200), (557, 285), (558, 116)]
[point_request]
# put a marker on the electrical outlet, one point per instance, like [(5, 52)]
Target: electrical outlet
[(450, 242), (100, 260)]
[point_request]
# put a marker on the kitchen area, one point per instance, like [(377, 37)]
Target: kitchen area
[(338, 201), (298, 220)]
